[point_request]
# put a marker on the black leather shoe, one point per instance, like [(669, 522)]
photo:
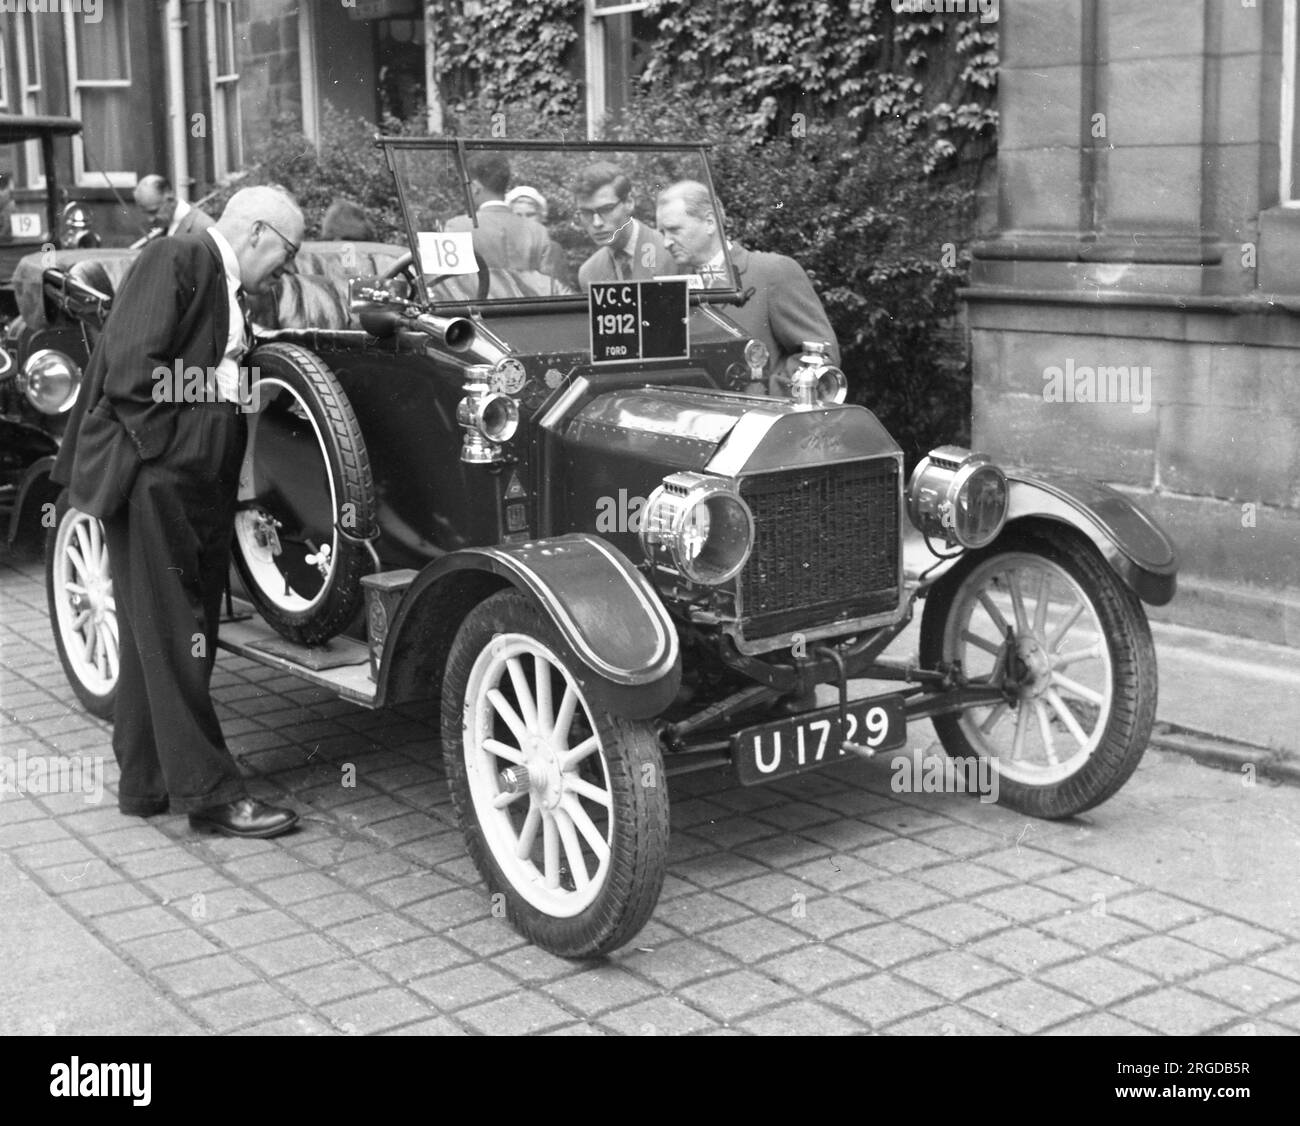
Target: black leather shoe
[(246, 817)]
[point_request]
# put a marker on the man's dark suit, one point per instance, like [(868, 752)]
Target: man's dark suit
[(169, 544)]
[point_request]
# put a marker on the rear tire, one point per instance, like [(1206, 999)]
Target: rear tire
[(306, 496)]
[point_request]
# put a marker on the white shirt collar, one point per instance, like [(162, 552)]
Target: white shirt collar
[(182, 209), (228, 259)]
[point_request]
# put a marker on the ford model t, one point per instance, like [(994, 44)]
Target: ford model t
[(611, 560)]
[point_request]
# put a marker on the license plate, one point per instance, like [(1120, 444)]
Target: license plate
[(806, 742)]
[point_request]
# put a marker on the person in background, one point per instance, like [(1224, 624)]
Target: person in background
[(782, 310), (627, 249), (345, 221), (167, 215), (528, 203), (503, 239)]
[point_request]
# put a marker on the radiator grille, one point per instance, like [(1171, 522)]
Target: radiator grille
[(826, 544)]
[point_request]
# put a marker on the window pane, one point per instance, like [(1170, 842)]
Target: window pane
[(107, 134), (102, 46), (31, 44), (229, 95), (225, 37)]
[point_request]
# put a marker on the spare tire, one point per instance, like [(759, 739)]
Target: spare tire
[(306, 498)]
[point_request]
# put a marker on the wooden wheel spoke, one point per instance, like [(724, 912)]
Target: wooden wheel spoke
[(504, 750), (1074, 688), (1091, 652), (1059, 635), (993, 612), (507, 713), (981, 642), (587, 828), (570, 759), (1066, 716), (528, 831), (523, 692), (1045, 729), (551, 852), (1041, 603), (585, 789), (996, 715), (572, 848), (564, 716), (1017, 602), (545, 705), (1018, 739)]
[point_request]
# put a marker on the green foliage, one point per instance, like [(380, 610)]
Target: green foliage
[(502, 52)]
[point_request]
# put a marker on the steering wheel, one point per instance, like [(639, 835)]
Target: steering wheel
[(406, 265)]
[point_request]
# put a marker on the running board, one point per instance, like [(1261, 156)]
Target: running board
[(340, 665)]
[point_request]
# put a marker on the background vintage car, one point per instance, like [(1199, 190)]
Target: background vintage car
[(34, 394), (611, 572)]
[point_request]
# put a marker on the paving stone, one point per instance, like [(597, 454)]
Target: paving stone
[(1229, 937), (846, 836), (826, 917), (957, 922), (1025, 950), (772, 893), (331, 909), (322, 984), (531, 965), (657, 1016), (410, 888), (1285, 961), (1154, 910), (286, 955), (105, 900), (487, 937), (31, 831), (732, 831), (231, 903), (437, 1026), (1098, 1024), (905, 819), (419, 958), (950, 1020), (444, 912), (794, 816), (1024, 903), (1090, 930), (733, 996), (675, 963), (598, 989), (17, 808), (48, 854), (1026, 1006), (888, 944), (462, 986), (266, 866), (895, 897), (242, 1007), (205, 975), (126, 925), (1176, 1012), (953, 974), (295, 1024), (168, 948), (250, 930), (836, 872), (1245, 987), (1081, 884), (183, 886), (901, 855), (695, 913), (1166, 958), (753, 939), (801, 1018), (64, 878), (1101, 981), (374, 932), (812, 968), (962, 878), (1025, 863), (158, 862), (374, 1012), (880, 999), (781, 852)]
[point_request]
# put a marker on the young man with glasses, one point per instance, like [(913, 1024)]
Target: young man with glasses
[(627, 248), (162, 475)]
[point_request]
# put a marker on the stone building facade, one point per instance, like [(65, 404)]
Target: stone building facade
[(1135, 316)]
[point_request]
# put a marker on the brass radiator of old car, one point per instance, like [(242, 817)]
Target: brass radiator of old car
[(826, 546)]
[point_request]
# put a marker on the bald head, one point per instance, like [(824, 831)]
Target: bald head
[(156, 198), (264, 227)]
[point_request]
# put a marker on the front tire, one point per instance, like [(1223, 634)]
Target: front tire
[(1041, 612), (83, 611), (578, 845)]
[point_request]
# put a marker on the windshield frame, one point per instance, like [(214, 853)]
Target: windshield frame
[(461, 146)]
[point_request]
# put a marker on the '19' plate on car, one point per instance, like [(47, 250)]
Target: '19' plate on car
[(805, 742)]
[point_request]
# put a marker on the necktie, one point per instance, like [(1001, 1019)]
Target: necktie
[(243, 312)]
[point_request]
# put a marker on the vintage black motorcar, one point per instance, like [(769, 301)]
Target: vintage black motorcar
[(611, 561), (35, 391)]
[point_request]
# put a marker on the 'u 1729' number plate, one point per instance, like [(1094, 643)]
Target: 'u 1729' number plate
[(805, 742)]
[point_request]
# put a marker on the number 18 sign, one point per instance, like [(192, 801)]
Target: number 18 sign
[(639, 320)]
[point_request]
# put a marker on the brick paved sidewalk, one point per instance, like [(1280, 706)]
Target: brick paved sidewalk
[(825, 904)]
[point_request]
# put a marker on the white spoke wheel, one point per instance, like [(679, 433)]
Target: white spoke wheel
[(1044, 607), (563, 806), (83, 613), (306, 498)]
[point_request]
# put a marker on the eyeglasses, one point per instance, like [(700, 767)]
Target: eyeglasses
[(587, 214), (293, 246)]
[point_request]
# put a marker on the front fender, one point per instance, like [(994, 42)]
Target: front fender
[(1129, 540), (620, 643)]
